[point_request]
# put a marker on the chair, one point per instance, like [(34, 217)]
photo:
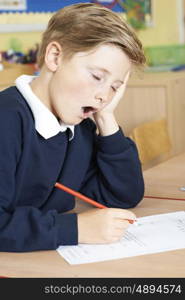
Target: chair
[(152, 140)]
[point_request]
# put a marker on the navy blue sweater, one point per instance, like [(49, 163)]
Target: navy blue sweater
[(32, 210)]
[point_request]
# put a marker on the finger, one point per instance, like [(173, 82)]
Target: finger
[(122, 227), (127, 77), (122, 88), (126, 222), (121, 222), (118, 233), (123, 214)]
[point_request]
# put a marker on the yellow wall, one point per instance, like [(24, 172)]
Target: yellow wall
[(165, 29), (25, 39)]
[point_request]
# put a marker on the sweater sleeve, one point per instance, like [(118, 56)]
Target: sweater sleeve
[(25, 228), (114, 177)]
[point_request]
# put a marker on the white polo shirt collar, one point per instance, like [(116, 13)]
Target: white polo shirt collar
[(45, 121)]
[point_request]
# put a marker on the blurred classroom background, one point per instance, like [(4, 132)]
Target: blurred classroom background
[(152, 111)]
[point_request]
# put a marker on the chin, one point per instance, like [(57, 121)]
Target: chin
[(77, 122), (72, 122)]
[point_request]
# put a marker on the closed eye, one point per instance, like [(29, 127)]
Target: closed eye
[(114, 89), (96, 77)]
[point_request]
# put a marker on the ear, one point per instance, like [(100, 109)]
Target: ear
[(53, 55)]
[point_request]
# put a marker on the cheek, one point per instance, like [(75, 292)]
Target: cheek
[(72, 89), (80, 89)]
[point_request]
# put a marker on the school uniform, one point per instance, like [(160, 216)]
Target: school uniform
[(36, 151)]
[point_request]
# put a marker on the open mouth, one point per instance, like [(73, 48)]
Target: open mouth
[(88, 110)]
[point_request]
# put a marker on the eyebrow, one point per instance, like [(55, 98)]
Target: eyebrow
[(107, 72)]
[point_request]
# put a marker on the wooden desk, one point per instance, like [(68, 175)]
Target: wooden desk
[(166, 179), (51, 264)]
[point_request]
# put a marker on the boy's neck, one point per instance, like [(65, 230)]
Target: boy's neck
[(42, 93)]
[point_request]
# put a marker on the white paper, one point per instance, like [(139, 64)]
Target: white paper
[(156, 233)]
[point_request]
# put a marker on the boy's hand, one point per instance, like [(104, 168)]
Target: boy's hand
[(103, 225), (105, 119), (109, 108)]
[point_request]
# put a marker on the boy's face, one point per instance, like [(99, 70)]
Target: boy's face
[(86, 83)]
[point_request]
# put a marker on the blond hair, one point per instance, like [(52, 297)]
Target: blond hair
[(82, 27)]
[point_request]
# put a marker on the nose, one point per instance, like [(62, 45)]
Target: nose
[(103, 95)]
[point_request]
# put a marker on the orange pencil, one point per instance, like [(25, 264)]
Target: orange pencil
[(84, 198)]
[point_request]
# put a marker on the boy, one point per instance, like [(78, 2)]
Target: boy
[(47, 135)]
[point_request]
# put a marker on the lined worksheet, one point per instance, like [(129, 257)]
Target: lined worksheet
[(152, 234)]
